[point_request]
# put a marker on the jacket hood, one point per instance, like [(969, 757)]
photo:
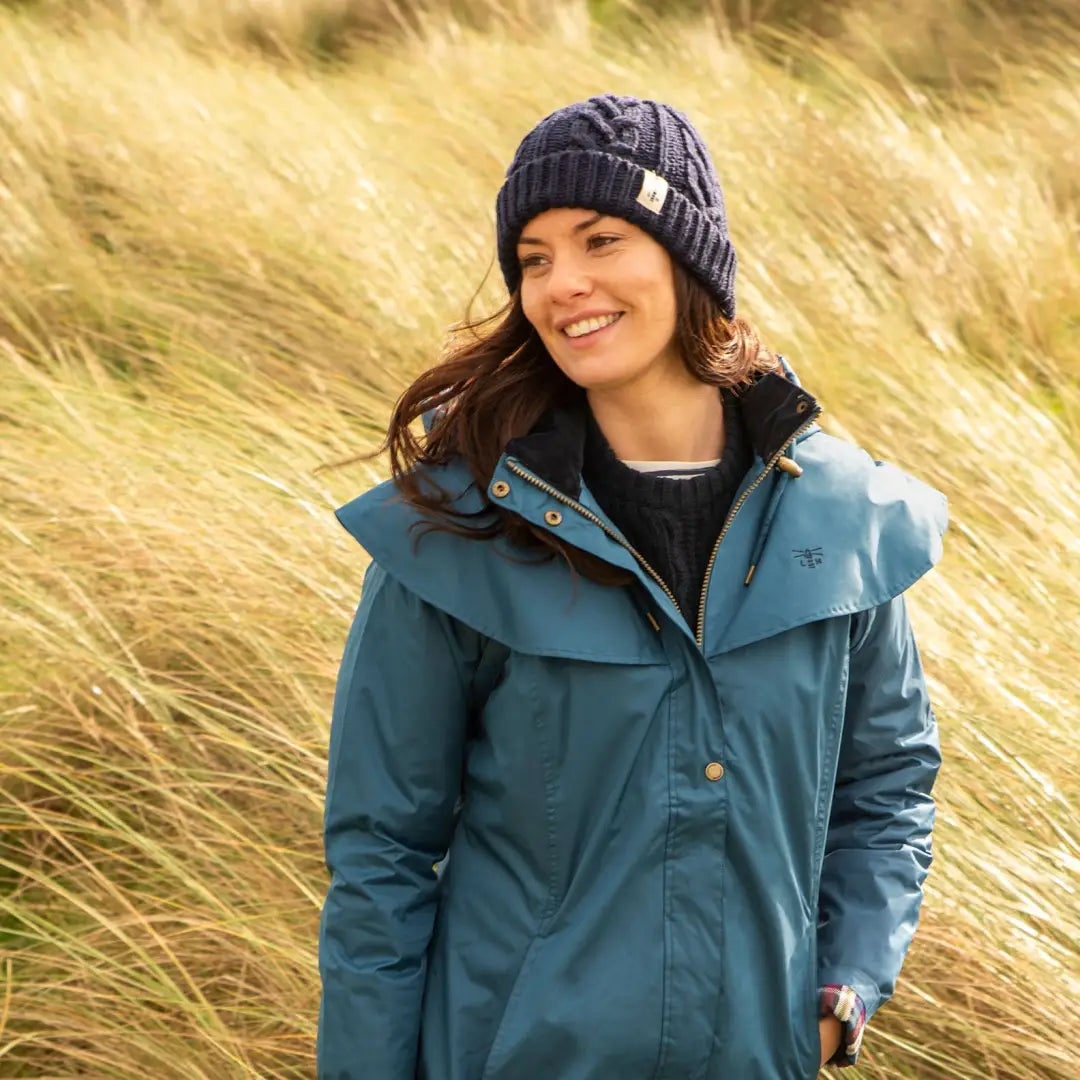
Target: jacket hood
[(836, 532)]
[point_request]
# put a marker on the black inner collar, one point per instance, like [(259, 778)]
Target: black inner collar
[(773, 409)]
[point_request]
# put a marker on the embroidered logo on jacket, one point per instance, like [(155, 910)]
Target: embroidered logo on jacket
[(808, 557)]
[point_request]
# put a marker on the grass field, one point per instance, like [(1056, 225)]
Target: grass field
[(230, 231)]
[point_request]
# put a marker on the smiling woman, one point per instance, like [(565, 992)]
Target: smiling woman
[(579, 261), (669, 337), (600, 294), (685, 803)]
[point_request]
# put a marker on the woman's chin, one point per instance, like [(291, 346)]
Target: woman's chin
[(596, 372)]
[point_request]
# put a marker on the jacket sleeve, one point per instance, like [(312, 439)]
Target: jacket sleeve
[(397, 739), (878, 844)]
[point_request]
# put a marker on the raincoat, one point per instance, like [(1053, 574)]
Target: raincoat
[(661, 838)]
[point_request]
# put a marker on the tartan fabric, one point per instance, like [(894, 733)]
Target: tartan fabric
[(846, 1005)]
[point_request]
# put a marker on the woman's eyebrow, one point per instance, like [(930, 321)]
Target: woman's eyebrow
[(577, 228)]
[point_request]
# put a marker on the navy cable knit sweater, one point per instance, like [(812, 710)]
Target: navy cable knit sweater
[(672, 522)]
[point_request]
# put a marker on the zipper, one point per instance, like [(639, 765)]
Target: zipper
[(700, 636), (587, 513), (555, 493)]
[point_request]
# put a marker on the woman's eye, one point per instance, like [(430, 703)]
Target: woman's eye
[(593, 241)]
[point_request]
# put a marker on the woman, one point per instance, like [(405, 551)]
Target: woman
[(633, 651)]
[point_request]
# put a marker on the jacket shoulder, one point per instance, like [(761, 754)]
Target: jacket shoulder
[(387, 526), (847, 477), (852, 533), (531, 605)]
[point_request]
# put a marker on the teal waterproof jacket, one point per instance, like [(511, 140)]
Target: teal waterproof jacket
[(662, 838)]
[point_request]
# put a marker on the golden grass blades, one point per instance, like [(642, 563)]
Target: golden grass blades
[(161, 820), (218, 266)]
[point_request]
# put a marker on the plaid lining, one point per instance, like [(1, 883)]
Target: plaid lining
[(846, 1005)]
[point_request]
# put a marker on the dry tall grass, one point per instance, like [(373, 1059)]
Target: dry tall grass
[(217, 268)]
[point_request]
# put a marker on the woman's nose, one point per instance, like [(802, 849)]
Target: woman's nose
[(568, 278)]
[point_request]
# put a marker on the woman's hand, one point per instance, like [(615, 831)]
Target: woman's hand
[(830, 1034)]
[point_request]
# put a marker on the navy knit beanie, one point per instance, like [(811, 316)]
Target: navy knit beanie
[(636, 159)]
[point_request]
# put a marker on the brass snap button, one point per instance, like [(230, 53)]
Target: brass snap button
[(714, 770), (553, 517), (802, 406), (789, 466), (500, 489)]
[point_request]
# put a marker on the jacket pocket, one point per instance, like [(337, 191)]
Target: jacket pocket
[(498, 1043)]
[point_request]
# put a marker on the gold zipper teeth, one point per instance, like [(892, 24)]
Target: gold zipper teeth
[(587, 513), (700, 636)]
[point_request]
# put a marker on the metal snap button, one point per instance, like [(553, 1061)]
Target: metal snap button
[(553, 517), (714, 770), (802, 406), (500, 489)]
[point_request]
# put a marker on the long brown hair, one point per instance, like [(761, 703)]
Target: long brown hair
[(496, 380)]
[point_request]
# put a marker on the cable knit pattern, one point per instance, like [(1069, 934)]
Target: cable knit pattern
[(593, 154), (672, 522)]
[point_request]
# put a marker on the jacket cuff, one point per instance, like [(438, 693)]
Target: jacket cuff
[(846, 1005)]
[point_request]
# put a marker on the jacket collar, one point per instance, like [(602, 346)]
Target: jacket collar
[(774, 406)]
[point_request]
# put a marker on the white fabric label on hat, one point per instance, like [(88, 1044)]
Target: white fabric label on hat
[(653, 193)]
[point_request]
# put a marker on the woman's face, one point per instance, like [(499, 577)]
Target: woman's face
[(578, 263)]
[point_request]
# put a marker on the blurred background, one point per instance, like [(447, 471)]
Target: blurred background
[(230, 233)]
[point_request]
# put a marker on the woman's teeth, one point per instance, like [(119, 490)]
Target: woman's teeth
[(587, 326)]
